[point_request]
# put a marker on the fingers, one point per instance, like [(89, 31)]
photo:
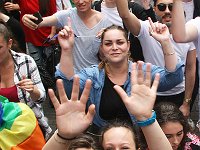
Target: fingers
[(91, 112), (152, 26), (61, 91), (53, 98), (155, 84), (121, 93), (86, 91), (75, 89), (27, 21), (148, 75), (134, 74), (69, 22), (140, 74)]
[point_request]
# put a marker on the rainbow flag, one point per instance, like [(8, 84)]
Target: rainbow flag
[(19, 129)]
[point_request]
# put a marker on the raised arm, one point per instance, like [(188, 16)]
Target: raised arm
[(160, 32), (71, 118), (181, 32), (131, 21), (66, 41), (140, 104)]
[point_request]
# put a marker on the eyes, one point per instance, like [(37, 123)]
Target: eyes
[(110, 43), (121, 148), (178, 134)]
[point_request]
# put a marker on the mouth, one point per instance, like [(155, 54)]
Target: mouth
[(175, 147), (115, 54), (167, 17)]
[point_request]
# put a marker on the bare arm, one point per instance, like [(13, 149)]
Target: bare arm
[(160, 32), (130, 20), (190, 72), (181, 32), (66, 41)]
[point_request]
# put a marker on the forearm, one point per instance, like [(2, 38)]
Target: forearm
[(178, 21), (55, 142), (190, 73), (131, 21), (4, 17), (170, 56), (154, 134), (48, 21), (66, 64)]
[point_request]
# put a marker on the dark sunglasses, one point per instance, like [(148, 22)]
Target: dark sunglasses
[(162, 7)]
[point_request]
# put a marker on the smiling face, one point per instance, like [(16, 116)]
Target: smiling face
[(118, 138), (162, 9), (115, 46), (174, 133), (82, 5)]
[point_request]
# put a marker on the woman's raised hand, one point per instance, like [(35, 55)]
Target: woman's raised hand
[(71, 118), (141, 101)]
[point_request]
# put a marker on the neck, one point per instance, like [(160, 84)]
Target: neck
[(116, 69), (6, 60), (110, 4), (85, 15)]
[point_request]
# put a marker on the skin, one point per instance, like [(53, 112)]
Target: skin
[(112, 141), (115, 47), (165, 16), (174, 133)]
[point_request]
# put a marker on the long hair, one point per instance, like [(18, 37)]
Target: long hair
[(169, 112)]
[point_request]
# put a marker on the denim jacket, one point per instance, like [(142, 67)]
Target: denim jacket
[(167, 81)]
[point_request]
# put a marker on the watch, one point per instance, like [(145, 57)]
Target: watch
[(187, 100)]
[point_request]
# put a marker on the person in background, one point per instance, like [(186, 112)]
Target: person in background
[(20, 80), (64, 4), (188, 32), (176, 128), (181, 94)]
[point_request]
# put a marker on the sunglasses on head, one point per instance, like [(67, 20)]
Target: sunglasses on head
[(162, 6)]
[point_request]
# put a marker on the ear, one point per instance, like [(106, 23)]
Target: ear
[(10, 43), (101, 55)]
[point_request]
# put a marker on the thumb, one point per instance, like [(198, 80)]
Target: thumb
[(91, 112)]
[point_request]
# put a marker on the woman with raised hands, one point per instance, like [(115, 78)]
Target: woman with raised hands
[(72, 118)]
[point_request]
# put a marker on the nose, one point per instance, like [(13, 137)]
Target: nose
[(114, 46), (167, 10), (175, 140)]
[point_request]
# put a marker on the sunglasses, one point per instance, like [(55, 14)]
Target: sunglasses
[(162, 7)]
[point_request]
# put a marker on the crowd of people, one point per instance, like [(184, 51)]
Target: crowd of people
[(127, 74)]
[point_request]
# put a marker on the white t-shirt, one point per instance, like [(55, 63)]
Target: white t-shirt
[(112, 15), (189, 10), (85, 48), (153, 53)]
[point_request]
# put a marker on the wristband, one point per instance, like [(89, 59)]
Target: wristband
[(148, 121), (169, 54), (67, 139)]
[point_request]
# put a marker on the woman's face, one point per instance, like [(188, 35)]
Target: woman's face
[(4, 48), (114, 46), (118, 138), (174, 133)]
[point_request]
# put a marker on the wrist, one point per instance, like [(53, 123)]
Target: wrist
[(187, 101), (142, 123)]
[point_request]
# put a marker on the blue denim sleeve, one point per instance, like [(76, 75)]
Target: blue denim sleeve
[(168, 79)]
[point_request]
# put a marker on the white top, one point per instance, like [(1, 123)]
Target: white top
[(153, 53), (112, 15), (189, 10), (85, 48)]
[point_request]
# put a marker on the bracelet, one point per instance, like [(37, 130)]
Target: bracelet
[(67, 139), (168, 54), (148, 121)]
